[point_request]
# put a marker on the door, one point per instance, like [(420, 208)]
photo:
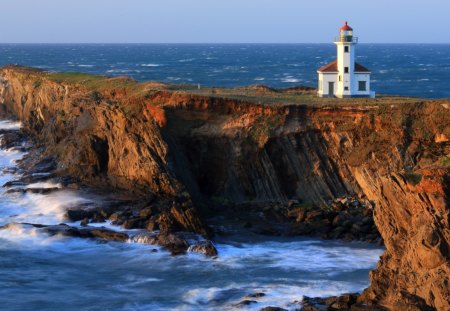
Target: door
[(331, 89)]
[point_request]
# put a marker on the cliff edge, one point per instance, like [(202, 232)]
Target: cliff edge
[(255, 146)]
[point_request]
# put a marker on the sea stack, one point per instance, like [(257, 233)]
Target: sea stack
[(344, 77)]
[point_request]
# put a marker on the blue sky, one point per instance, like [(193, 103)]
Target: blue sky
[(222, 21)]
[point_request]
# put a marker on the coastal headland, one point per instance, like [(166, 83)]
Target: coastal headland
[(182, 159)]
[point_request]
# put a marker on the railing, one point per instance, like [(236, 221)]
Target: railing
[(350, 39)]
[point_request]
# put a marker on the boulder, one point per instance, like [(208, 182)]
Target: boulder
[(206, 248)]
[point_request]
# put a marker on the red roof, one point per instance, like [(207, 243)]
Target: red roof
[(332, 67), (346, 27), (360, 68)]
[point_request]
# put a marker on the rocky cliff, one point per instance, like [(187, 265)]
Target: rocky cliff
[(258, 146)]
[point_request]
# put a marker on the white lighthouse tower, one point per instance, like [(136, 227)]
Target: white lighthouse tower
[(344, 77)]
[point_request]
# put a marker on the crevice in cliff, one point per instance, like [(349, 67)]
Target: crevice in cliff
[(101, 149)]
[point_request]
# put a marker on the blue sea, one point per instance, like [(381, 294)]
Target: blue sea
[(421, 70)]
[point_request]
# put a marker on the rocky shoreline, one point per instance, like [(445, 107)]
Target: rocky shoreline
[(205, 164), (346, 218), (160, 225)]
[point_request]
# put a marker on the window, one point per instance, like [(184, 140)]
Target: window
[(362, 86), (346, 88), (346, 49), (345, 69), (340, 78)]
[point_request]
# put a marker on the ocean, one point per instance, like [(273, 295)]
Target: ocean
[(421, 70)]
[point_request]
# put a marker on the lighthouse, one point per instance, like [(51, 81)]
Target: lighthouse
[(344, 77)]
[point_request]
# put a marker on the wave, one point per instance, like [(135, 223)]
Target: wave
[(9, 157), (342, 257), (288, 297), (49, 209), (290, 80), (151, 65), (119, 71), (44, 185), (187, 60), (10, 125)]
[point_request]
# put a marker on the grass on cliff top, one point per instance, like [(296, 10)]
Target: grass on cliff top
[(258, 94), (264, 95), (125, 85), (93, 82)]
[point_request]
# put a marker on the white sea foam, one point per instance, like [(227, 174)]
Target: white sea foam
[(187, 60), (85, 66), (26, 236), (9, 157), (151, 65), (119, 71), (290, 80), (285, 296), (260, 79), (46, 209), (10, 125), (328, 259), (44, 185)]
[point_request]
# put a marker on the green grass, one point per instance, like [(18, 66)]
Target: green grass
[(445, 161), (95, 82)]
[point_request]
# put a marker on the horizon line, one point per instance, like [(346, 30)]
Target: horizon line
[(208, 43)]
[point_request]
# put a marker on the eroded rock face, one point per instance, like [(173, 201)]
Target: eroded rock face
[(223, 151), (386, 153)]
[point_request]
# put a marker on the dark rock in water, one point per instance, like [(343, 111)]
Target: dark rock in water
[(173, 243), (33, 190), (78, 214), (88, 232), (84, 222), (107, 234), (206, 248), (11, 138), (134, 223), (97, 218), (176, 243), (42, 190), (273, 309), (14, 183), (345, 302), (247, 302), (346, 218), (95, 233), (341, 302), (255, 295)]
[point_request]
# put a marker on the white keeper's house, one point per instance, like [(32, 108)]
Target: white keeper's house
[(344, 77)]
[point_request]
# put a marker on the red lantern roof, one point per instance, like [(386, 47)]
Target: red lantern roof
[(346, 27)]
